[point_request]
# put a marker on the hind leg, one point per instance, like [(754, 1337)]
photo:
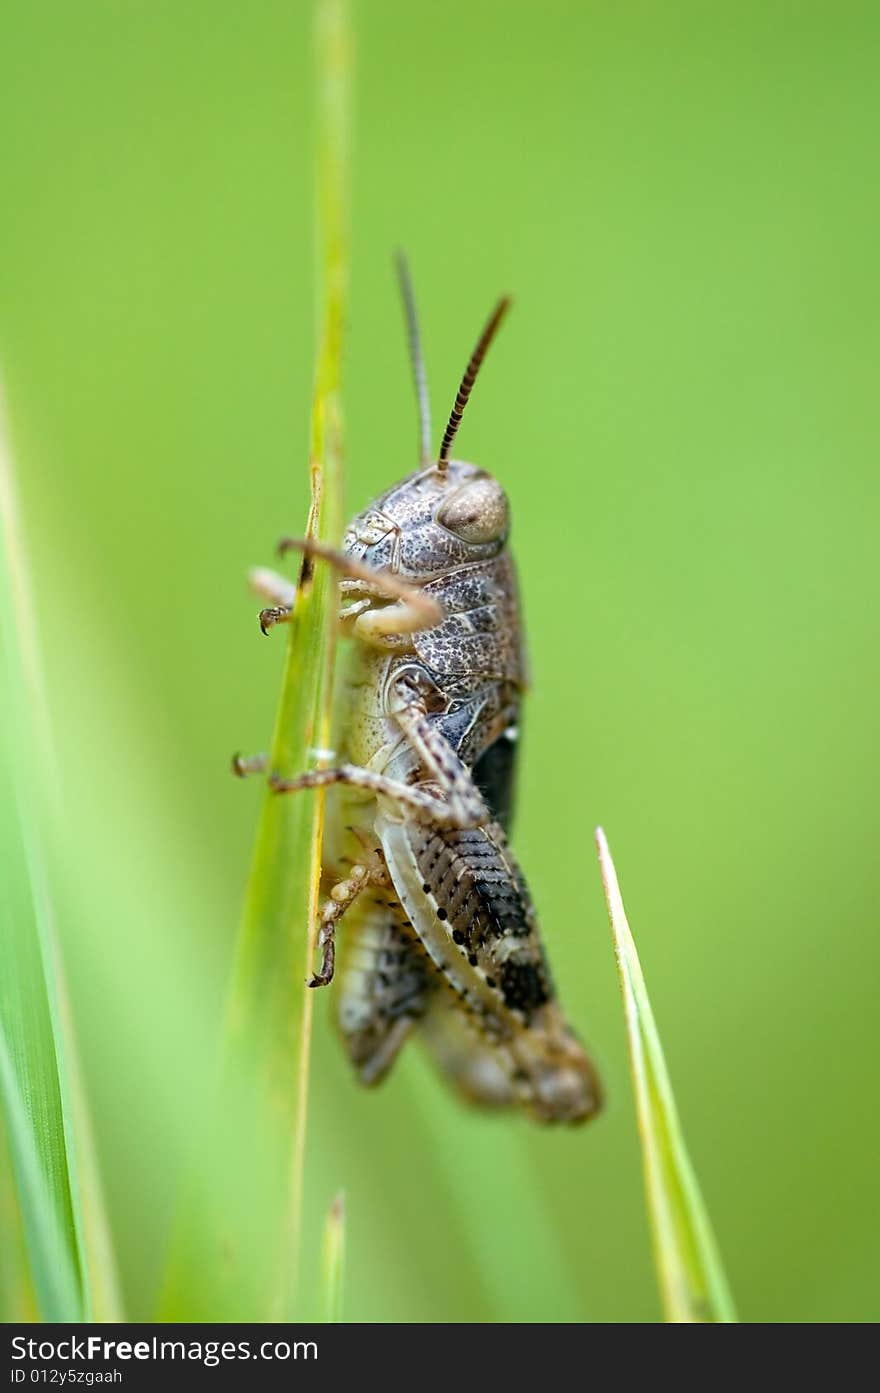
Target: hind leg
[(369, 871), (385, 984)]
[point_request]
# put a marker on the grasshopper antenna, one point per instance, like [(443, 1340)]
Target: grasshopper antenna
[(415, 354), (470, 377)]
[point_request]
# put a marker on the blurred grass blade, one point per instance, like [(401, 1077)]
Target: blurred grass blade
[(47, 1127), (237, 1254), (693, 1286), (18, 1300), (333, 1259)]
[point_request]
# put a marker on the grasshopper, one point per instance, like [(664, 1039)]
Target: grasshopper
[(441, 935)]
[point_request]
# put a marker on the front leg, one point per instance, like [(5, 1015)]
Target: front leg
[(277, 589), (412, 611)]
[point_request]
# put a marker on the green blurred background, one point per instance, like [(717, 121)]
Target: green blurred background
[(684, 408)]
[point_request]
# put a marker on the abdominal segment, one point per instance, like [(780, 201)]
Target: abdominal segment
[(480, 1072), (466, 898), (451, 949), (386, 986)]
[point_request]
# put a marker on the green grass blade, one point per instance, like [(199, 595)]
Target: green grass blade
[(237, 1255), (333, 1259), (334, 68), (47, 1126), (692, 1283)]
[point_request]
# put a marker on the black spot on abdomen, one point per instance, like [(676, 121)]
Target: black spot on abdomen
[(524, 985)]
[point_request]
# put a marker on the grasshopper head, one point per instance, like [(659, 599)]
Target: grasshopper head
[(449, 512), (432, 522)]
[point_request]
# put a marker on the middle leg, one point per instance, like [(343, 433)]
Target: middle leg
[(426, 805), (447, 798)]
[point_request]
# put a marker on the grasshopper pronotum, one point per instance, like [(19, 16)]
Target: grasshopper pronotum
[(441, 937)]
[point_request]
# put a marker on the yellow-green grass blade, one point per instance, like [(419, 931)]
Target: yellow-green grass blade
[(236, 1253), (693, 1286), (333, 1259), (47, 1128)]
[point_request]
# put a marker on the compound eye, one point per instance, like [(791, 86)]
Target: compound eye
[(477, 512), (370, 527)]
